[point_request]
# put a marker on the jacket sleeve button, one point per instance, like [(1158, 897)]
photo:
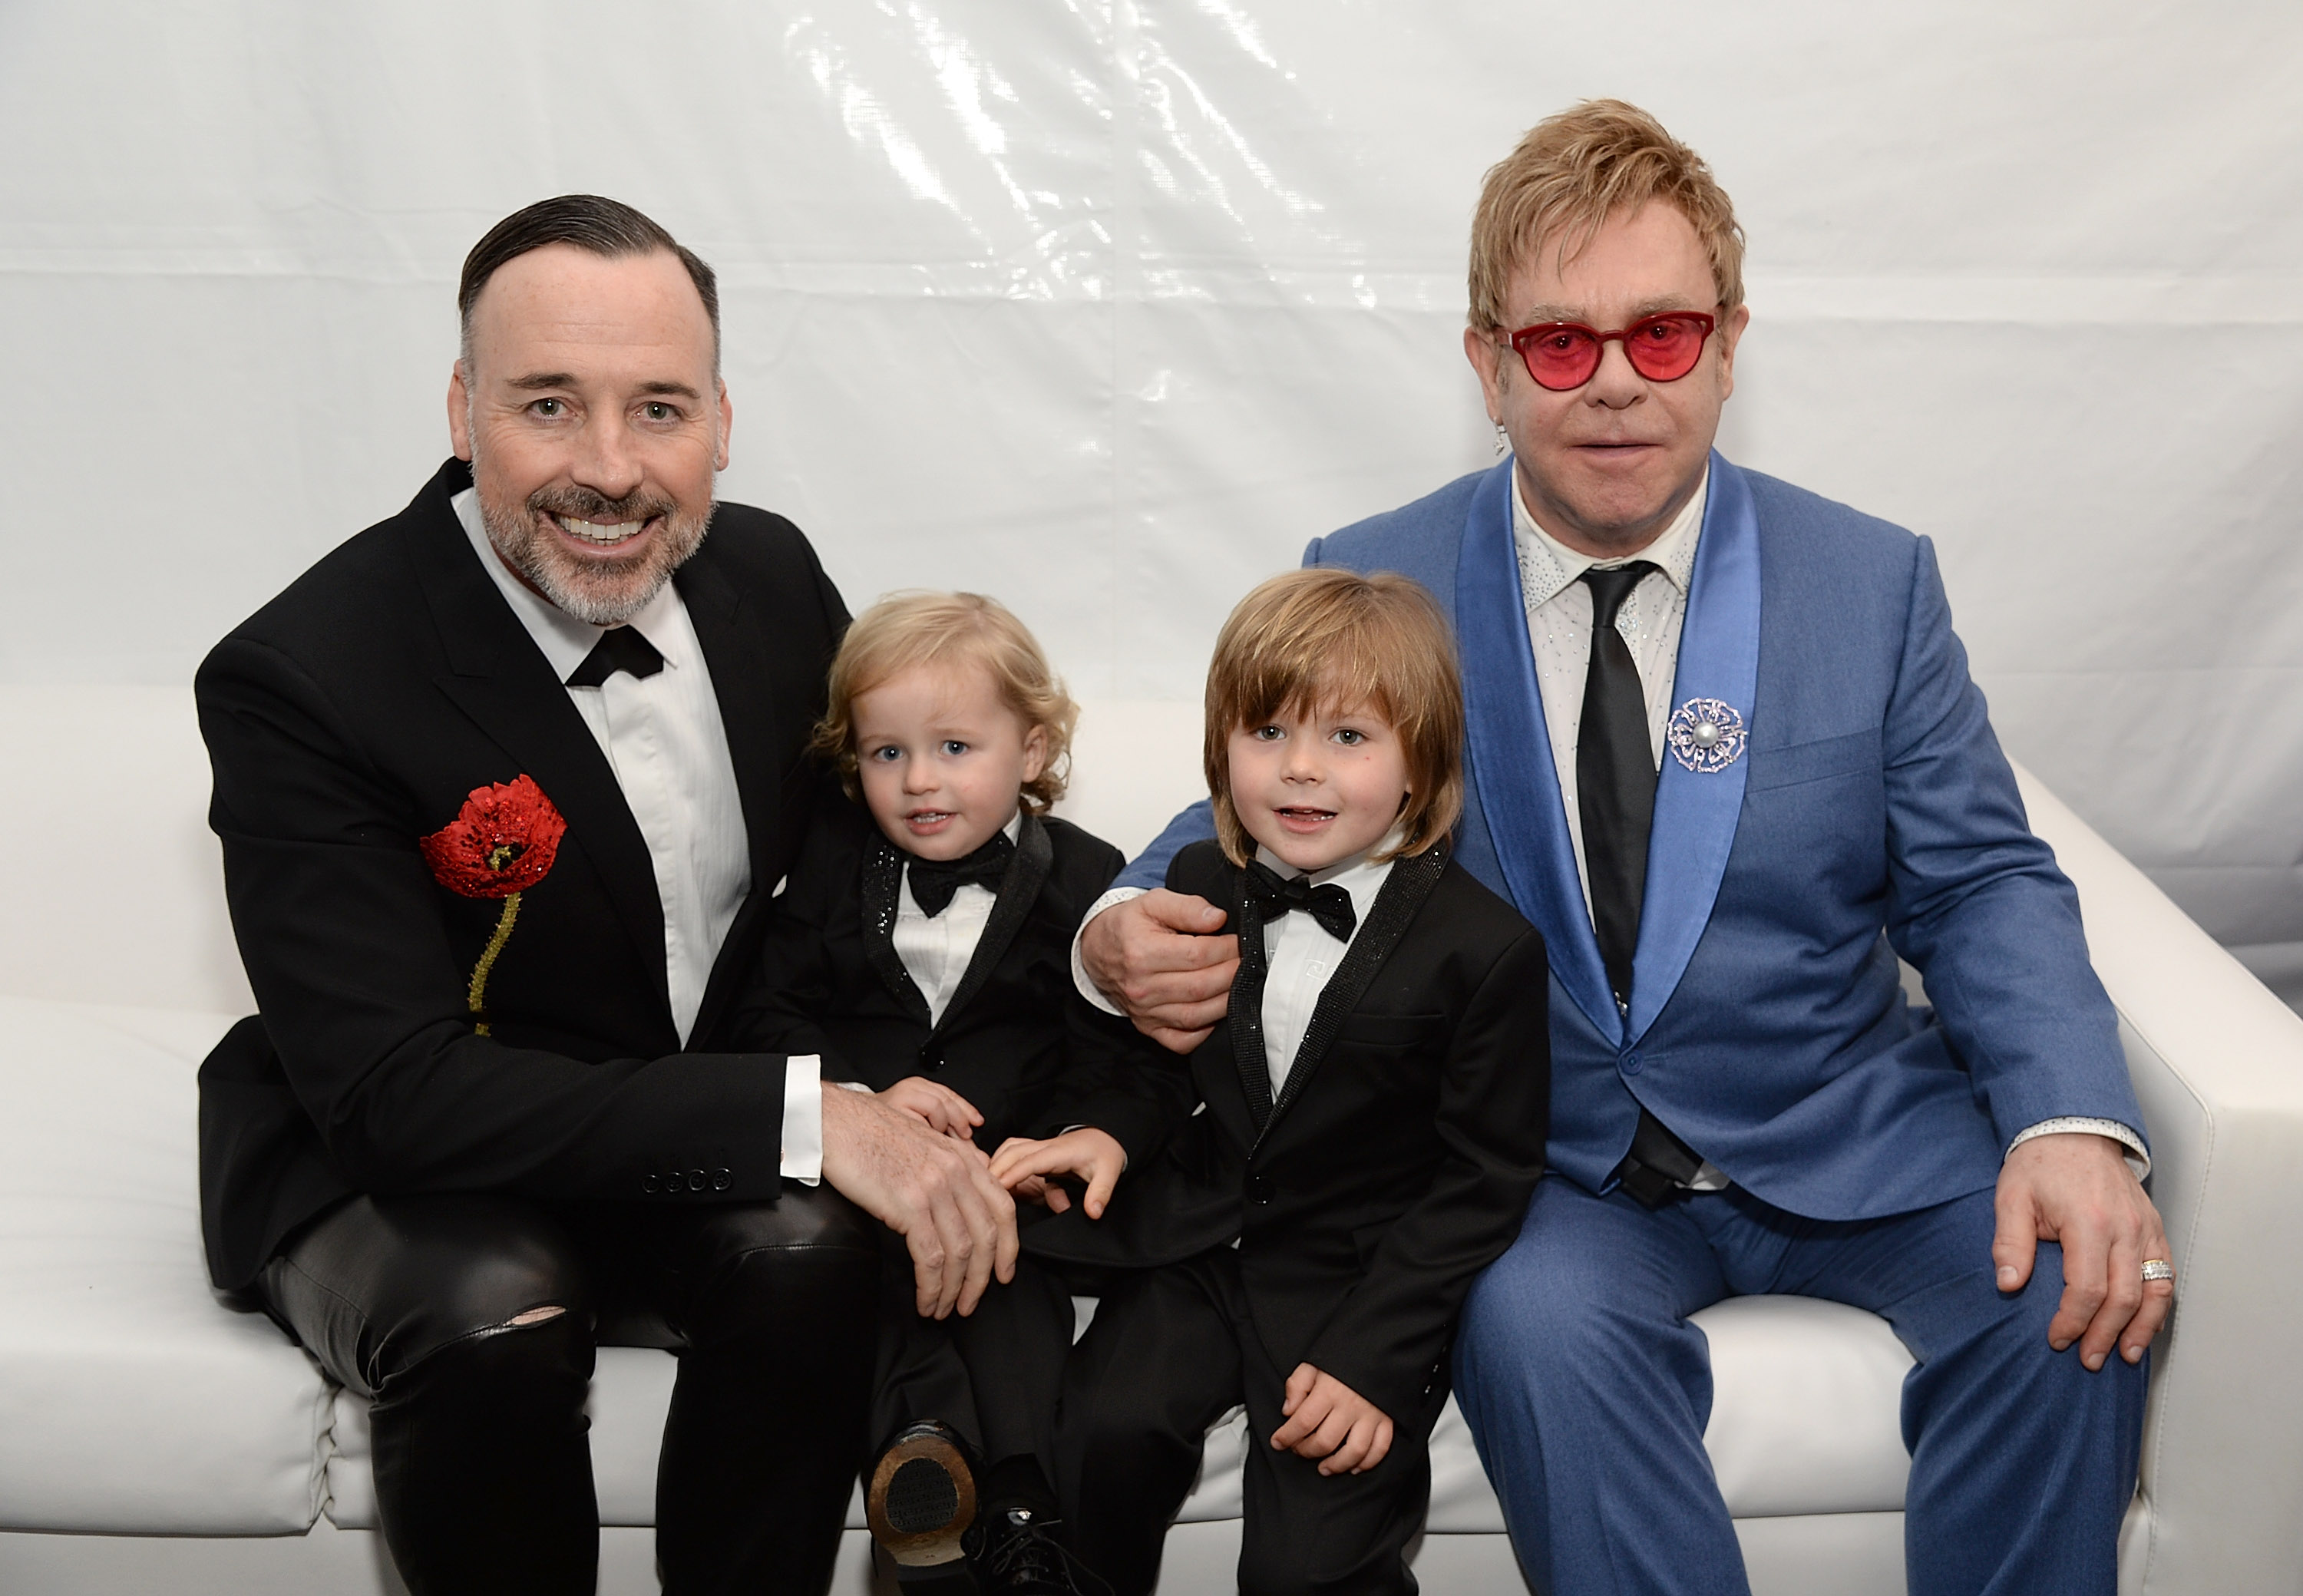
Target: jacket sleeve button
[(650, 1185), (721, 1180), (697, 1181)]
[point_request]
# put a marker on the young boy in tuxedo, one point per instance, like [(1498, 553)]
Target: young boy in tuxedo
[(922, 949), (1371, 1123)]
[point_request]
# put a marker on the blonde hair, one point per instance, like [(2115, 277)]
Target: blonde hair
[(1324, 639), (1568, 175), (905, 630)]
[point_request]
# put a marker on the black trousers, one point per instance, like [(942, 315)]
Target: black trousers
[(1171, 1350), (469, 1322)]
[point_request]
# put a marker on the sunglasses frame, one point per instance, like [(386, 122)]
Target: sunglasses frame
[(1521, 340)]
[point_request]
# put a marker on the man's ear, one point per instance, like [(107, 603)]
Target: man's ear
[(459, 413), (1731, 334), (727, 423), (1486, 360)]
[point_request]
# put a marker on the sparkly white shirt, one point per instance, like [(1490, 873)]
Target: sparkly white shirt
[(1300, 955), (668, 748), (935, 950)]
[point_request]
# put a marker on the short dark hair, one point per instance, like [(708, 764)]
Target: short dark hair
[(606, 227)]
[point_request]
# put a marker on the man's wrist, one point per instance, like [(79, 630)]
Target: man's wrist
[(1088, 987), (2138, 1156)]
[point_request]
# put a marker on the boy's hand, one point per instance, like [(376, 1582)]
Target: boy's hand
[(1330, 1421), (1093, 1155), (943, 1109)]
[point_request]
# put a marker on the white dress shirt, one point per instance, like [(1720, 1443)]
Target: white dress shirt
[(663, 739), (1300, 956), (935, 950)]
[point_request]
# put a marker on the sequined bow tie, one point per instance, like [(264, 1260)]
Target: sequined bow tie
[(934, 881), (1330, 905)]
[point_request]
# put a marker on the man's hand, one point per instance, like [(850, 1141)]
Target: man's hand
[(1093, 1155), (1329, 1420), (934, 1191), (2078, 1190), (1154, 958), (941, 1108)]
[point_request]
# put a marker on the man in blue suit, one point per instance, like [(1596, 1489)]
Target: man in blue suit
[(1725, 754)]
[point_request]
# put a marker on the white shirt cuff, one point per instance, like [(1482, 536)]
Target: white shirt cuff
[(2138, 1159), (802, 1155), (1087, 988)]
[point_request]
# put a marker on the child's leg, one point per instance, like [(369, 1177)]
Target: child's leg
[(1305, 1531), (1158, 1364), (1013, 1348)]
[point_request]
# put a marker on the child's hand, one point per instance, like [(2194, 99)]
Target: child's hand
[(1093, 1155), (1330, 1421), (943, 1109)]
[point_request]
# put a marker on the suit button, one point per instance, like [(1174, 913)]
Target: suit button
[(1258, 1190), (930, 1056), (651, 1185), (721, 1180), (1632, 1065), (697, 1181)]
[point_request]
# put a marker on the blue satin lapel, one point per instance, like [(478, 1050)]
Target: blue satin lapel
[(1518, 783), (1694, 825)]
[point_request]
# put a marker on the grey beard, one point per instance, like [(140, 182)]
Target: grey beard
[(600, 593)]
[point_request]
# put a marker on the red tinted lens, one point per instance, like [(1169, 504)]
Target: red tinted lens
[(1560, 356), (1665, 348)]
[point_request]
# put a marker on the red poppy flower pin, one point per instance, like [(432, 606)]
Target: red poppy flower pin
[(501, 843)]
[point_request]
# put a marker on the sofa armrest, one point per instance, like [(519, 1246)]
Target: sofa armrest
[(2217, 1062)]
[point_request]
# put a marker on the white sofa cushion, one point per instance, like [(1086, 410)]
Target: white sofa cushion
[(129, 1399)]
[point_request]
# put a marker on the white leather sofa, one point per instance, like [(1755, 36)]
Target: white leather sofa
[(152, 1441)]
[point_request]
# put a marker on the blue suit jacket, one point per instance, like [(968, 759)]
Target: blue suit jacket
[(1871, 814)]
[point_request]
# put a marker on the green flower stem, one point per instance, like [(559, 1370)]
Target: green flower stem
[(488, 959)]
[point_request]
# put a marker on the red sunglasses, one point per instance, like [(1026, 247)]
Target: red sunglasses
[(1561, 355)]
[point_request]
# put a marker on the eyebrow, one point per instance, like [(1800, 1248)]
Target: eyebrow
[(536, 381), (1538, 315)]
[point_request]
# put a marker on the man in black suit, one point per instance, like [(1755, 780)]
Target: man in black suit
[(449, 1160)]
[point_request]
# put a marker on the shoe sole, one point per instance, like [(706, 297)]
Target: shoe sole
[(921, 1501)]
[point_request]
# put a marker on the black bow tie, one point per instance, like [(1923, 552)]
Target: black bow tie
[(934, 881), (1330, 905), (620, 648)]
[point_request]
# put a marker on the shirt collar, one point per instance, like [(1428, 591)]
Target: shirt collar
[(1549, 567), (564, 639)]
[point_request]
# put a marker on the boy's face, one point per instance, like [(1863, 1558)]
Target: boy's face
[(941, 759), (1317, 789)]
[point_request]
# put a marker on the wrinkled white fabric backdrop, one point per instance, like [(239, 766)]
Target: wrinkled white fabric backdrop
[(1107, 305)]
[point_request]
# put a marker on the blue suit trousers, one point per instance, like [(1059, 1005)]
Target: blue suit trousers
[(1588, 1392)]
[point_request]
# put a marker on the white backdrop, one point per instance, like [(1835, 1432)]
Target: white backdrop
[(1106, 305)]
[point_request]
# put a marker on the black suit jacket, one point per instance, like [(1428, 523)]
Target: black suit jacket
[(1013, 1027), (1399, 1157), (352, 715)]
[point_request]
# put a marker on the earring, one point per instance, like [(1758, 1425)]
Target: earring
[(1503, 439)]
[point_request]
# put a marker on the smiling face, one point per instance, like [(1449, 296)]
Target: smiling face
[(1604, 467), (1317, 789), (589, 409), (941, 759)]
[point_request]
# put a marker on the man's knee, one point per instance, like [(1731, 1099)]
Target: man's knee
[(809, 1261)]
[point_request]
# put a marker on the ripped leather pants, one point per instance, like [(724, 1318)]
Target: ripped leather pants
[(469, 1322)]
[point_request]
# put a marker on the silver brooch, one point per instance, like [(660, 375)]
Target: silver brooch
[(1705, 735)]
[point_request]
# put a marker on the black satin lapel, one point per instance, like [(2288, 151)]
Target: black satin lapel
[(1019, 888), (1245, 1010), (501, 680), (883, 878), (1403, 890), (743, 682)]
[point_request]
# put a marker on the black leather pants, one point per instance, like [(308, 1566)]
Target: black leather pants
[(441, 1310)]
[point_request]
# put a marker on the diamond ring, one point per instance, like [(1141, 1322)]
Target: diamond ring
[(2158, 1268)]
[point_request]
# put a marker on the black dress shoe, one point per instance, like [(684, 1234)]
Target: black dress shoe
[(1019, 1557), (921, 1501)]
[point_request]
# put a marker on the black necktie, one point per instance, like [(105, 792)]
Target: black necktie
[(1330, 905), (1615, 784), (620, 648), (1615, 778), (934, 881)]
